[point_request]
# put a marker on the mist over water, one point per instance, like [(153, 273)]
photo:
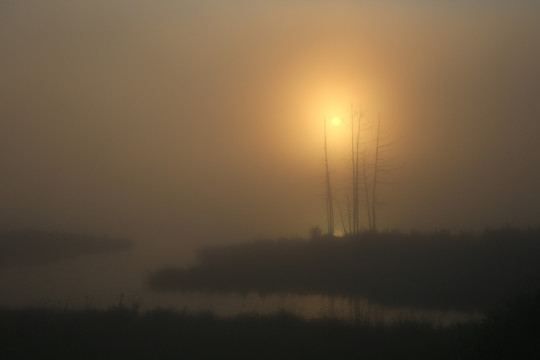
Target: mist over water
[(203, 122), (104, 281), (181, 125)]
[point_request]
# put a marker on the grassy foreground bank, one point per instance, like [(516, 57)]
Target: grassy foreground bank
[(122, 332)]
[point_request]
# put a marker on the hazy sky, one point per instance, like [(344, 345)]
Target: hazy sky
[(202, 120)]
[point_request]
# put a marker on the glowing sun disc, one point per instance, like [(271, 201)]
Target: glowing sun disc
[(336, 121)]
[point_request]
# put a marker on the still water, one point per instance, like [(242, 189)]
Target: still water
[(105, 280)]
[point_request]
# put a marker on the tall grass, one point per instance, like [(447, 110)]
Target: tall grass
[(123, 332)]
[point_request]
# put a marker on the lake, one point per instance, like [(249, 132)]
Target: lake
[(105, 280)]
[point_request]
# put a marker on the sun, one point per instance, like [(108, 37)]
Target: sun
[(336, 121)]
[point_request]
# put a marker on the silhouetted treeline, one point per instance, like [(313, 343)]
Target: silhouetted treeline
[(122, 332), (471, 272), (30, 247)]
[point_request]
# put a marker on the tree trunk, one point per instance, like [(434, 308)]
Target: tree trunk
[(375, 171), (329, 200), (366, 189), (354, 179)]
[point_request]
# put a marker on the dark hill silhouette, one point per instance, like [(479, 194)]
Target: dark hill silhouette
[(466, 272), (31, 247)]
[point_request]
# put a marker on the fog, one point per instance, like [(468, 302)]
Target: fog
[(181, 124)]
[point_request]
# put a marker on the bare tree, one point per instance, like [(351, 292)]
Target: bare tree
[(379, 168), (356, 128), (373, 226), (329, 200), (366, 175), (354, 174), (345, 231), (366, 188)]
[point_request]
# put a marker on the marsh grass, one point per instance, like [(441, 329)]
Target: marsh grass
[(121, 332), (124, 332)]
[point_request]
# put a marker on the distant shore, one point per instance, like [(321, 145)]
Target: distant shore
[(440, 271)]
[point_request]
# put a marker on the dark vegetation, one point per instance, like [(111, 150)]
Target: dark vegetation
[(441, 271), (31, 247), (122, 332)]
